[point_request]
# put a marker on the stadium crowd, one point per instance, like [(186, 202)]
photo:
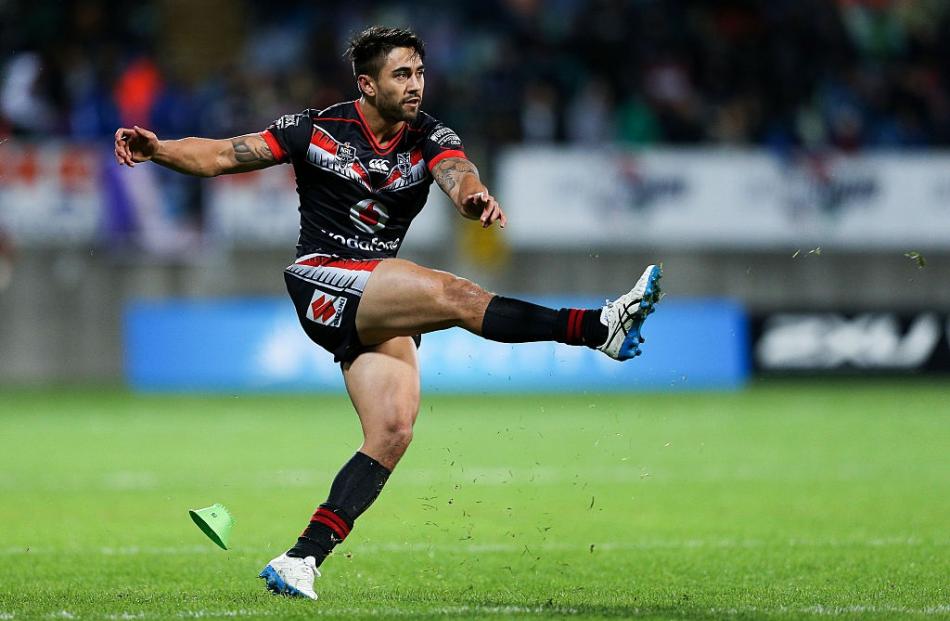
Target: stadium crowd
[(847, 74)]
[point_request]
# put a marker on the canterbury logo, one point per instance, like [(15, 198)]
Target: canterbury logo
[(326, 310), (379, 165)]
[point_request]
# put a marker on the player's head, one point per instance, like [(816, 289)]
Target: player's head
[(387, 64)]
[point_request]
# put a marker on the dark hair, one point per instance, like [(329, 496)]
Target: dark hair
[(368, 49)]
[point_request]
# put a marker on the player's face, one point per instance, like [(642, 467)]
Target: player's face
[(400, 85)]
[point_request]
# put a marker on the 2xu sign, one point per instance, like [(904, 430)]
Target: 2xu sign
[(809, 342)]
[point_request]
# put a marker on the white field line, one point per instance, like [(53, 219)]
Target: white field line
[(507, 547), (456, 611)]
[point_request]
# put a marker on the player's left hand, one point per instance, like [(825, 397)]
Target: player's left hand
[(491, 210)]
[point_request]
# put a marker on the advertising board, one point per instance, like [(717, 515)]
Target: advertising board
[(852, 343), (258, 345), (731, 199)]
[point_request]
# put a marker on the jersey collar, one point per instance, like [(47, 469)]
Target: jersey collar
[(378, 148)]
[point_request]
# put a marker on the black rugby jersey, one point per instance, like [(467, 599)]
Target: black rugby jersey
[(356, 197)]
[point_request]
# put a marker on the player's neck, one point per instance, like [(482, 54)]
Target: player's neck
[(382, 129)]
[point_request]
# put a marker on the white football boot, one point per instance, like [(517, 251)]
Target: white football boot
[(624, 316), (288, 575)]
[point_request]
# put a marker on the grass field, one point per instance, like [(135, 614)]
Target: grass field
[(790, 500)]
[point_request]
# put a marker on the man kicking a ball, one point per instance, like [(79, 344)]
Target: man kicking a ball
[(363, 172)]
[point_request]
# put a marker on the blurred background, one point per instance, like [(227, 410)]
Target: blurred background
[(787, 161)]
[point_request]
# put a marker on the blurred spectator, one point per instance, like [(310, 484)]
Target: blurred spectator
[(539, 122), (23, 101), (849, 74), (136, 91), (637, 123), (590, 115)]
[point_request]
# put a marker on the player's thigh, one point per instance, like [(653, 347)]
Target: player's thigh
[(399, 289), (383, 384), (404, 298)]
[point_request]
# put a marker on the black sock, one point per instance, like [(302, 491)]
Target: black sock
[(354, 489), (577, 326), (513, 321)]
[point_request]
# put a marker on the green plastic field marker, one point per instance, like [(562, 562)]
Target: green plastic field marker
[(215, 521)]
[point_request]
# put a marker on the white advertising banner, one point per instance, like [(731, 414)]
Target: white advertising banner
[(50, 193), (558, 198)]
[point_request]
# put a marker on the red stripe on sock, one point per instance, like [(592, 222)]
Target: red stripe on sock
[(329, 524), (336, 519), (332, 520), (574, 333)]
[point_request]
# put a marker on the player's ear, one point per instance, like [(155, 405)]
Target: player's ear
[(366, 85)]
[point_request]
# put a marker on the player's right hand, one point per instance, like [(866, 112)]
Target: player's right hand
[(491, 210), (134, 145)]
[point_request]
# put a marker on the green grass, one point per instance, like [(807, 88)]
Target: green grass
[(785, 501)]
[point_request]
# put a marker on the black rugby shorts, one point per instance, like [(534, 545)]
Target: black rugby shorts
[(326, 292)]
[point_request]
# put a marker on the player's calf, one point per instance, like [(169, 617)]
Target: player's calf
[(509, 320), (354, 489)]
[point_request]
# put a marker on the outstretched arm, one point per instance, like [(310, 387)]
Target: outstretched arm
[(193, 156), (459, 179)]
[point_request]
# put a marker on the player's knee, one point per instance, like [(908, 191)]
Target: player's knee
[(399, 437), (399, 432), (398, 425), (460, 296)]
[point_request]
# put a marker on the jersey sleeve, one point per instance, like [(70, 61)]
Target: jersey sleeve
[(440, 143), (289, 136)]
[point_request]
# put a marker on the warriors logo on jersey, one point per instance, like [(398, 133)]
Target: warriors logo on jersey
[(404, 163), (410, 170)]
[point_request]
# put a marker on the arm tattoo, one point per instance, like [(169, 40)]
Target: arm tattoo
[(450, 171), (247, 150)]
